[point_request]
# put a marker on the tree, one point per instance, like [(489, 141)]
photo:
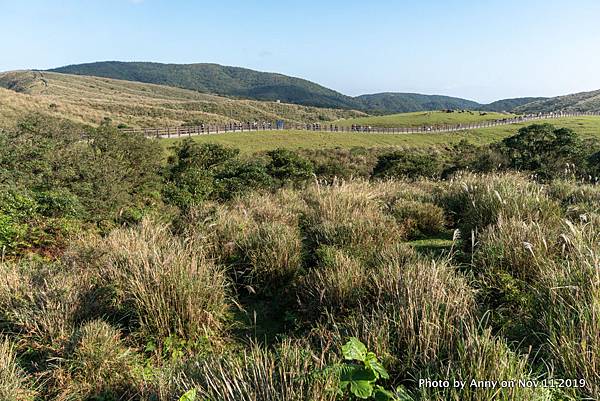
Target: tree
[(542, 148), (402, 164), (286, 165)]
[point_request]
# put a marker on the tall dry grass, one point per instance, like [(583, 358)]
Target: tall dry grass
[(286, 373), (98, 365), (167, 283), (477, 201), (15, 385), (571, 315)]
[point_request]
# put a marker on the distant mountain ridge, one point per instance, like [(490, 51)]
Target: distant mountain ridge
[(249, 84)]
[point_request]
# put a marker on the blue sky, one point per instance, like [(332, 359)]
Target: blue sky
[(482, 50)]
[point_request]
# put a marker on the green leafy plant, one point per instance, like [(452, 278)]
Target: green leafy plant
[(189, 395), (360, 373)]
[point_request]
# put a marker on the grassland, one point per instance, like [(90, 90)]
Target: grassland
[(250, 142), (420, 119), (89, 100)]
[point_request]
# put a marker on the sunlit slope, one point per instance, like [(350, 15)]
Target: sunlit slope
[(91, 99)]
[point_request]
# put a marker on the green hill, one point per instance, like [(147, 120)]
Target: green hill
[(578, 102), (410, 102), (249, 84), (221, 80)]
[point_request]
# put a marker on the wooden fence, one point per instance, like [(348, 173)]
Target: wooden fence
[(209, 129)]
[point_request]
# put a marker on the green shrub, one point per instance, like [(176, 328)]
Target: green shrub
[(59, 203), (286, 165), (419, 218), (197, 173), (402, 164), (234, 178), (543, 149), (107, 171), (13, 235)]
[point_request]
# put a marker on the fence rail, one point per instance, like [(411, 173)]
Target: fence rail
[(210, 129)]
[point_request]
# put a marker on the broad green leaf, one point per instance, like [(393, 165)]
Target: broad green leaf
[(190, 395), (381, 394), (354, 350), (364, 374), (347, 372), (372, 362), (361, 388)]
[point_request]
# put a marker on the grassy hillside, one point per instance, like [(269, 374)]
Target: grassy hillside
[(250, 84), (587, 127), (88, 100), (222, 80), (510, 104), (578, 102), (420, 119)]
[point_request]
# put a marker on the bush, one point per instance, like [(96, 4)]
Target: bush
[(197, 173), (106, 172), (13, 235), (419, 218), (402, 164), (543, 149), (235, 178), (286, 165)]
